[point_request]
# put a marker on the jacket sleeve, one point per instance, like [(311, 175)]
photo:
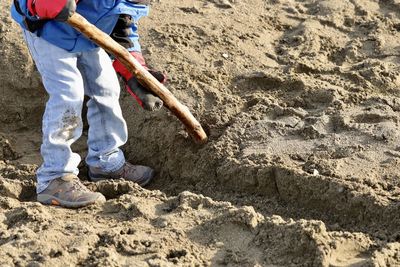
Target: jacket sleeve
[(19, 11), (21, 14)]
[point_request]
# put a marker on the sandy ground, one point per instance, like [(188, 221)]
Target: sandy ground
[(301, 103)]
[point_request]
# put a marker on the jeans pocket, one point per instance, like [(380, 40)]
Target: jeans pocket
[(36, 49), (32, 41)]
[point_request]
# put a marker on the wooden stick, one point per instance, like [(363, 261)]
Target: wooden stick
[(144, 77)]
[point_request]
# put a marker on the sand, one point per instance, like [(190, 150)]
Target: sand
[(301, 103)]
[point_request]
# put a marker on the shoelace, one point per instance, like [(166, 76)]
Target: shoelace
[(76, 184)]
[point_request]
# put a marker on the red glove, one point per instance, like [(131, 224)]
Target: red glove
[(144, 96), (59, 10)]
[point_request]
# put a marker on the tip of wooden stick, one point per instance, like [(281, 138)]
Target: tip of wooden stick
[(200, 136), (202, 141)]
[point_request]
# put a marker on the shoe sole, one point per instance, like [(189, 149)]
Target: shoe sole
[(54, 201)]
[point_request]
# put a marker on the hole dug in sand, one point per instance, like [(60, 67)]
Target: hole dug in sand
[(16, 189)]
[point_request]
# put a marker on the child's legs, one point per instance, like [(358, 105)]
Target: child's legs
[(62, 124), (107, 127)]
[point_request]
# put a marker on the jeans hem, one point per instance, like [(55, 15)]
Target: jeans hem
[(115, 167), (110, 168), (41, 186)]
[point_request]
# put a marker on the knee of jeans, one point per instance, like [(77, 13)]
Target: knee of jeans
[(75, 97), (109, 95)]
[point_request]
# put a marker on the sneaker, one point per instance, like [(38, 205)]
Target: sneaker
[(68, 191), (139, 174)]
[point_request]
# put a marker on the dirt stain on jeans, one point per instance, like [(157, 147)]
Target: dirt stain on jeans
[(70, 121)]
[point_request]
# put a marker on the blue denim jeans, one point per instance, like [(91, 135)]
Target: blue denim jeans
[(67, 77)]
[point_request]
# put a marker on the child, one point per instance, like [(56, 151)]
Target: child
[(71, 66)]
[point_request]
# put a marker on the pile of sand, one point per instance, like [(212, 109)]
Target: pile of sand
[(301, 103)]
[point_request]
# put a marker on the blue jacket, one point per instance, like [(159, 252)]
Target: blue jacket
[(102, 13)]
